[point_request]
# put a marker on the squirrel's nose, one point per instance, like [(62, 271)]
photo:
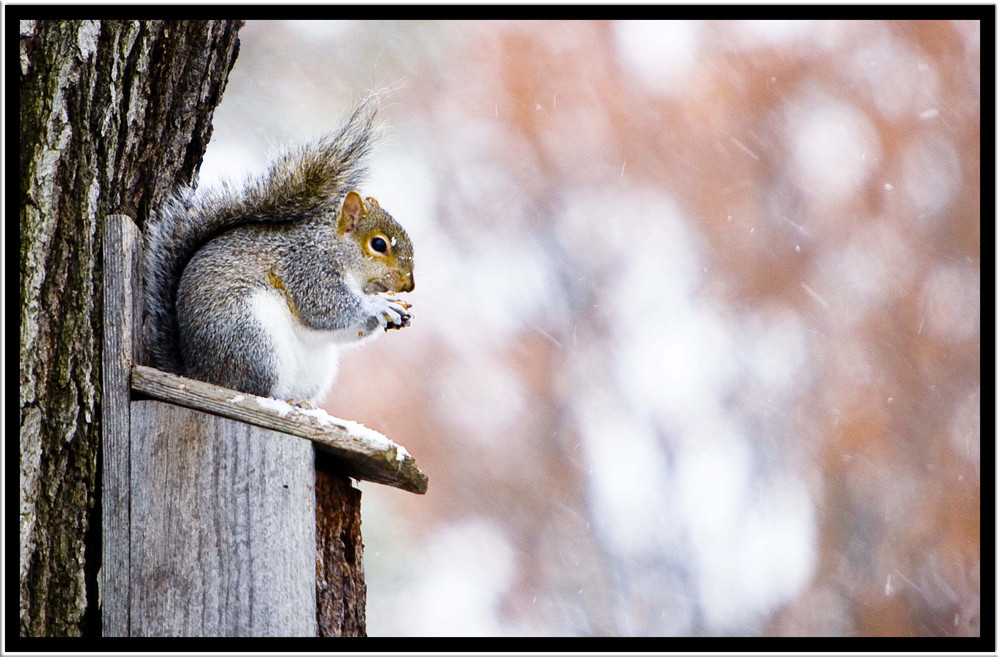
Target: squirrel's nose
[(408, 284)]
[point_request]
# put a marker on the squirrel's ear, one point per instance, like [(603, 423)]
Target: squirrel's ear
[(351, 212)]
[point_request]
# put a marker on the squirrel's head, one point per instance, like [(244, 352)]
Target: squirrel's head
[(387, 251)]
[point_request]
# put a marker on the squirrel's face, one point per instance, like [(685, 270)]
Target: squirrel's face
[(386, 249)]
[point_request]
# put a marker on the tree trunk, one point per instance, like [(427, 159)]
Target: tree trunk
[(113, 115)]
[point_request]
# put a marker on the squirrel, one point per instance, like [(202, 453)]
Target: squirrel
[(258, 290)]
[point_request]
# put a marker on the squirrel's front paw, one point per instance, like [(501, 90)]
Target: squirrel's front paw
[(393, 313)]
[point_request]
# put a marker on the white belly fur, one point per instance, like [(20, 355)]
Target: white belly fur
[(307, 358)]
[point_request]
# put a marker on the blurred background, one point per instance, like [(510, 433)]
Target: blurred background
[(696, 336)]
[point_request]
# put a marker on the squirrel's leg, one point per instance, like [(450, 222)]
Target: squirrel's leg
[(232, 350)]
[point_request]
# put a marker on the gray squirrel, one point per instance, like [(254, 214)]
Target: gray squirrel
[(257, 290)]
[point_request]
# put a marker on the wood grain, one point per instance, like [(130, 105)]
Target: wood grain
[(340, 573), (365, 454), (122, 245), (223, 538)]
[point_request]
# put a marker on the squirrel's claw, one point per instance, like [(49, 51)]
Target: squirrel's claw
[(397, 317), (398, 302)]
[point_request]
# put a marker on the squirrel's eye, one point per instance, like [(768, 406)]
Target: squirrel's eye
[(379, 244)]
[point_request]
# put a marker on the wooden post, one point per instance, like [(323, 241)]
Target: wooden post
[(122, 244), (217, 519), (340, 575)]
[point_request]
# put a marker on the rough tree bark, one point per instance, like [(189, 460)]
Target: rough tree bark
[(340, 575), (113, 115)]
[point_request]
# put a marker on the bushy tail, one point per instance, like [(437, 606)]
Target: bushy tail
[(304, 183)]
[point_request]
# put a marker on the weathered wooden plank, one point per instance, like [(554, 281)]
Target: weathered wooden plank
[(223, 536), (122, 246), (366, 454), (340, 573)]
